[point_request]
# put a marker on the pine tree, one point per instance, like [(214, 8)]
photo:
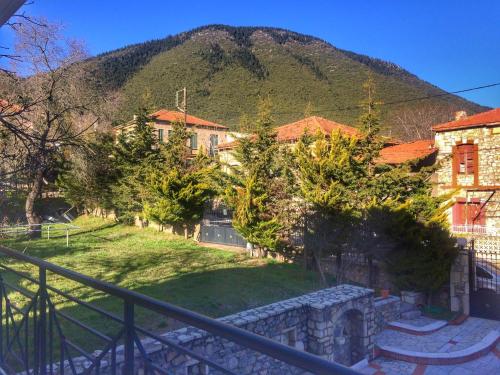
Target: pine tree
[(133, 155), (372, 209), (178, 186), (250, 194)]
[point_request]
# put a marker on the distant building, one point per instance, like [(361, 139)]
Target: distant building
[(289, 134), (395, 151), (206, 135), (469, 157)]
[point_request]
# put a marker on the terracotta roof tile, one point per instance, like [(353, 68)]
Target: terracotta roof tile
[(312, 125), (407, 152), (487, 118), (295, 130), (171, 116)]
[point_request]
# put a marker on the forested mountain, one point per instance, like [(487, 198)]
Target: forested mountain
[(226, 69)]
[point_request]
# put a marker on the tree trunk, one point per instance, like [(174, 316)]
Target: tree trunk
[(320, 268), (31, 216), (186, 232)]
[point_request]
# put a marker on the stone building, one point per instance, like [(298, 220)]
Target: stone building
[(469, 157), (205, 135)]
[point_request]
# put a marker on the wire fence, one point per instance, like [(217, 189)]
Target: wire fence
[(46, 230)]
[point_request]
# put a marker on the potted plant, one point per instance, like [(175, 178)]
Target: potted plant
[(384, 292)]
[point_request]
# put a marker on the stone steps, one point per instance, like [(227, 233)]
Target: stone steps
[(475, 351), (418, 330)]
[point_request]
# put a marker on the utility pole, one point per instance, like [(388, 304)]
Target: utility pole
[(182, 106)]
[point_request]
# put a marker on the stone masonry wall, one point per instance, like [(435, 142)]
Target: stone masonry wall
[(488, 142), (337, 324), (459, 284), (386, 310)]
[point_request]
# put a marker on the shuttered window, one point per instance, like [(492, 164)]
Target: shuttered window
[(471, 213), (466, 162), (194, 141)]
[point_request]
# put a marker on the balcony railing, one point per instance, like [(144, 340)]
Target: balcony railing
[(35, 337), (475, 229)]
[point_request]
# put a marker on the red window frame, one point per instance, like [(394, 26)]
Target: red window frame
[(465, 161), (464, 213)]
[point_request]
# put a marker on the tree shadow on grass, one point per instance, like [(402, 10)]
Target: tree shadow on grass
[(215, 293)]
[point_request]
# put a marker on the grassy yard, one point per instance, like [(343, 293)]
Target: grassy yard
[(167, 267)]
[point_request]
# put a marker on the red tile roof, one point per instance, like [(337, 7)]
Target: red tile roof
[(407, 152), (488, 118), (311, 125), (171, 116), (295, 130)]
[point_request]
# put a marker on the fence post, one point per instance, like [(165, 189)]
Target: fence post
[(48, 232), (128, 317), (1, 320), (67, 237), (42, 334)]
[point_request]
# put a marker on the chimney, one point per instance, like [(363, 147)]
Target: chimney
[(460, 115)]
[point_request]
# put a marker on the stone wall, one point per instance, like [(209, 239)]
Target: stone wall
[(359, 273), (386, 310), (459, 284), (337, 324), (487, 140)]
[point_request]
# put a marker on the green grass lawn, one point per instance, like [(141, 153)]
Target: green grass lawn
[(164, 266)]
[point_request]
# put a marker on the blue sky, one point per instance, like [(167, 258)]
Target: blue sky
[(454, 44)]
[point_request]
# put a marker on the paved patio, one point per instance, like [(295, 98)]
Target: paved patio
[(449, 339), (486, 365)]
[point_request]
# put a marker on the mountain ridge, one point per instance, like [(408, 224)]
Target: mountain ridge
[(227, 68)]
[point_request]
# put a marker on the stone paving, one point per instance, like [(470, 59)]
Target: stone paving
[(447, 339), (486, 365)]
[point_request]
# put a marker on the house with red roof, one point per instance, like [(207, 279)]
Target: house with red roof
[(469, 157), (204, 134), (395, 152)]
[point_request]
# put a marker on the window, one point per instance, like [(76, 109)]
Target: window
[(194, 141), (160, 135), (465, 159), (471, 213), (214, 141)]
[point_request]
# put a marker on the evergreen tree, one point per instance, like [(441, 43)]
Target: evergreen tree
[(178, 186), (255, 206), (88, 175), (134, 154), (375, 210)]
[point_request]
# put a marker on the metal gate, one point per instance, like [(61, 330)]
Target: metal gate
[(216, 226), (484, 272), (224, 235)]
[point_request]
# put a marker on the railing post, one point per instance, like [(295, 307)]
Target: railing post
[(128, 317), (42, 325), (67, 238), (1, 320), (48, 232)]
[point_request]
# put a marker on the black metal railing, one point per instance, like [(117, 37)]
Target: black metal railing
[(35, 338)]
